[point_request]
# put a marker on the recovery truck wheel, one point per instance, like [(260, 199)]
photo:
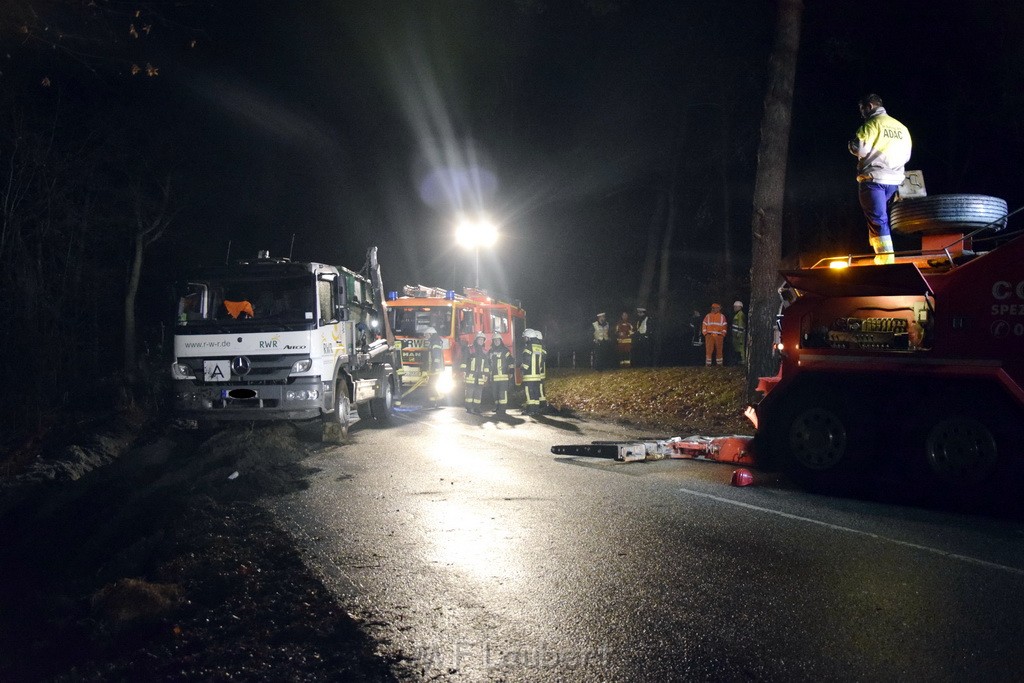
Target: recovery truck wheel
[(961, 449), (820, 441)]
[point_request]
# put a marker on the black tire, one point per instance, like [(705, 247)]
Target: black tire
[(365, 413), (821, 440), (339, 419), (382, 408), (961, 449), (948, 213)]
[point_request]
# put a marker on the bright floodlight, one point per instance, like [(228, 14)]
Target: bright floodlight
[(476, 233)]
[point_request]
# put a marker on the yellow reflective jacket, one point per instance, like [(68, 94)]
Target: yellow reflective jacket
[(882, 146)]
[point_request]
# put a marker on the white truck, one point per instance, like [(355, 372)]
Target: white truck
[(272, 339)]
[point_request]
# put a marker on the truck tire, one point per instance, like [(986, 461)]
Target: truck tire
[(339, 420), (952, 213), (382, 408), (820, 441), (960, 448)]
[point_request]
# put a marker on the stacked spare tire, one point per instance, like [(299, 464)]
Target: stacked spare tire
[(948, 213)]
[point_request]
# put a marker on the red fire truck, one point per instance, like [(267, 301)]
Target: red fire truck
[(920, 362), (457, 318)]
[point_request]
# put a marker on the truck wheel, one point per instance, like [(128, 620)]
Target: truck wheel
[(961, 450), (948, 213), (383, 407), (339, 420), (964, 452), (820, 443)]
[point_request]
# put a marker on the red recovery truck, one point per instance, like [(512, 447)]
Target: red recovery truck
[(457, 318), (920, 362)]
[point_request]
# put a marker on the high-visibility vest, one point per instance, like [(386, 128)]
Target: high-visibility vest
[(501, 363), (435, 357), (534, 359), (475, 365), (715, 324), (739, 324)]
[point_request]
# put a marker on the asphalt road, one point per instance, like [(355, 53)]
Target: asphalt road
[(473, 553)]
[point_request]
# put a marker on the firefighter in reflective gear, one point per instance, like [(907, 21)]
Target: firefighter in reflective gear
[(739, 332), (434, 366), (713, 328), (533, 362), (502, 366), (476, 366), (624, 337), (882, 146)]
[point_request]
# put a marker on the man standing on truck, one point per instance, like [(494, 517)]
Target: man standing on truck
[(882, 146)]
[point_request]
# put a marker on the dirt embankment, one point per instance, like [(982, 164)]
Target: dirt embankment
[(161, 565)]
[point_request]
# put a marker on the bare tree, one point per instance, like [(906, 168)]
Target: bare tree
[(153, 215), (769, 192)]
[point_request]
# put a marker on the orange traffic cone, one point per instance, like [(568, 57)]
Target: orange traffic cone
[(742, 477)]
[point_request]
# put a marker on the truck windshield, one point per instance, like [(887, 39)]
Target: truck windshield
[(413, 321), (242, 302)]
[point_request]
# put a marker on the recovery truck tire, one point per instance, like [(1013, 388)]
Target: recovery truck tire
[(964, 450), (821, 441), (951, 213)]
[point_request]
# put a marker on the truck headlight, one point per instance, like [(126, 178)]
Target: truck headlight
[(302, 365), (301, 395), (445, 383), (181, 371)]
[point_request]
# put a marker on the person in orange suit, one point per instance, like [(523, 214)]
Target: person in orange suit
[(714, 328)]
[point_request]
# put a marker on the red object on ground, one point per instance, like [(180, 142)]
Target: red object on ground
[(738, 449), (742, 477)]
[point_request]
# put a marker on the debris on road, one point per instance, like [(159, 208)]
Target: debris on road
[(735, 448)]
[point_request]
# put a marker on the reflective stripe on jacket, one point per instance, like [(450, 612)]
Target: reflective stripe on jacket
[(501, 363), (714, 323), (533, 361)]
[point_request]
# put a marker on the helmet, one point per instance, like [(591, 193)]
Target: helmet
[(600, 315), (742, 477), (532, 334), (641, 310), (737, 304), (496, 337), (481, 335), (430, 331)]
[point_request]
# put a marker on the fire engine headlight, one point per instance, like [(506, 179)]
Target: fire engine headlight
[(302, 365), (445, 383), (181, 371)]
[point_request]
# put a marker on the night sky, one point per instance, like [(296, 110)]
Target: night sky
[(576, 125)]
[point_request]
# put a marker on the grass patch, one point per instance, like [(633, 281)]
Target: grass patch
[(682, 400)]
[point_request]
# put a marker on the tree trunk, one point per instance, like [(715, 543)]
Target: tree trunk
[(769, 193), (131, 360), (665, 270), (723, 174)]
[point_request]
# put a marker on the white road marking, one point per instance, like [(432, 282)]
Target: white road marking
[(916, 546)]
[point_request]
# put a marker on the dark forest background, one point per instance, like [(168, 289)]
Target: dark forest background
[(139, 140)]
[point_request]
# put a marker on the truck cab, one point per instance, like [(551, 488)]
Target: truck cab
[(272, 339)]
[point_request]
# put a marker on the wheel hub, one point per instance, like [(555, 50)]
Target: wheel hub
[(961, 449), (817, 439)]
